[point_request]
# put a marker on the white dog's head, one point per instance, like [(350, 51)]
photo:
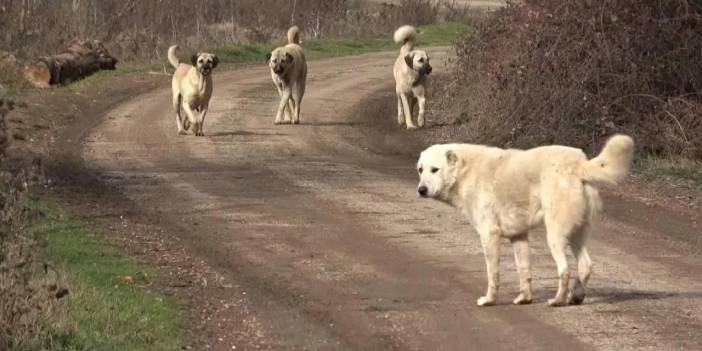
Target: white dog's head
[(418, 60), (437, 168), (279, 60), (204, 62)]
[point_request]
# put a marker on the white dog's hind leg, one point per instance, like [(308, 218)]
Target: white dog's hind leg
[(520, 245), (400, 116), (290, 110), (490, 239), (176, 107), (296, 102), (577, 244), (407, 111), (556, 235), (281, 107)]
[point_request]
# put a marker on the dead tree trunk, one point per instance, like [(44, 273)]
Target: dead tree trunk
[(80, 60)]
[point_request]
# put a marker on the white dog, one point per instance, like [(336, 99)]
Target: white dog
[(192, 88), (289, 72), (411, 70), (505, 193)]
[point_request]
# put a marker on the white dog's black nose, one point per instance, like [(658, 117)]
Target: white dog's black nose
[(422, 190)]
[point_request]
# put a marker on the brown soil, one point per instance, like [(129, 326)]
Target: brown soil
[(312, 237)]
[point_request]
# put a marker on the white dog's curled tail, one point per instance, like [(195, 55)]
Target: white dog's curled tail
[(294, 35), (612, 164), (172, 58), (406, 35)]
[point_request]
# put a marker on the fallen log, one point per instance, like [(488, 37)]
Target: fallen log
[(82, 59)]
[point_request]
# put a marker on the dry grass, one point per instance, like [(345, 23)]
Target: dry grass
[(576, 72), (144, 29)]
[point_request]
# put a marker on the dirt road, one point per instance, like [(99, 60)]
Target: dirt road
[(322, 244)]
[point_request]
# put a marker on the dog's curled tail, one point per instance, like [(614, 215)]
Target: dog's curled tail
[(172, 58), (612, 164), (294, 35), (406, 35)]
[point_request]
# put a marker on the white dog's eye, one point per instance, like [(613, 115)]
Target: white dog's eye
[(434, 170), (420, 170)]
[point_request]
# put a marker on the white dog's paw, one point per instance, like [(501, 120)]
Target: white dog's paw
[(420, 123), (556, 302), (182, 132), (296, 121), (411, 127), (485, 301), (522, 300)]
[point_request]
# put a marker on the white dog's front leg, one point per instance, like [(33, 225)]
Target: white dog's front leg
[(201, 121), (407, 111), (191, 117), (421, 100), (490, 239), (281, 107)]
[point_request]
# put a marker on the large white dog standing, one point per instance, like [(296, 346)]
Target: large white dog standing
[(505, 193), (411, 70)]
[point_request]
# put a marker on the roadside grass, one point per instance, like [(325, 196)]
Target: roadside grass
[(676, 172), (107, 307), (440, 34)]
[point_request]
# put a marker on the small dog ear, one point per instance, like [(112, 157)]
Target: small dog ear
[(451, 158), (408, 60), (289, 57), (193, 59), (268, 57), (215, 61)]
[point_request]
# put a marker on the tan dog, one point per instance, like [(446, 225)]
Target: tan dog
[(192, 89), (289, 72), (506, 193), (411, 70)]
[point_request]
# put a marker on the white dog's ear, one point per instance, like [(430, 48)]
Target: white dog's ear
[(289, 57), (268, 57), (408, 59), (193, 59), (451, 158), (215, 61)]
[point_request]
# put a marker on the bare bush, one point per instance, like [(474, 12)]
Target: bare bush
[(144, 29), (576, 72)]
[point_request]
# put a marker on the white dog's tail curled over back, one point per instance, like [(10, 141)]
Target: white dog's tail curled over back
[(612, 164), (406, 35), (172, 58), (294, 35)]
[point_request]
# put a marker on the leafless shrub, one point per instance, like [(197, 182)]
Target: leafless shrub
[(144, 29), (576, 72)]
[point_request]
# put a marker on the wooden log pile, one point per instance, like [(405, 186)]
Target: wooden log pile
[(82, 58)]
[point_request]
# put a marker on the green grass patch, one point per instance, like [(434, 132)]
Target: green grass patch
[(441, 34), (678, 172), (92, 80), (107, 308)]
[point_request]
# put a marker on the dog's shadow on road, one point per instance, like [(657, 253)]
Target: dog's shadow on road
[(244, 133), (614, 295), (331, 124)]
